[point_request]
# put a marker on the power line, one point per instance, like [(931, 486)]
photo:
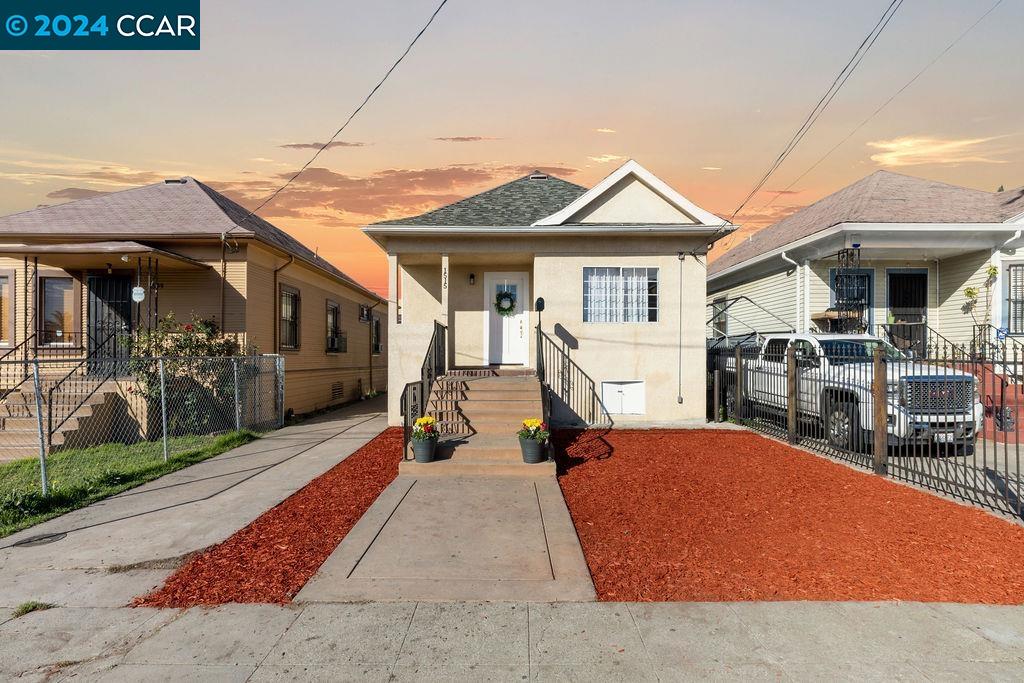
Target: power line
[(826, 99), (884, 104), (351, 116), (819, 108)]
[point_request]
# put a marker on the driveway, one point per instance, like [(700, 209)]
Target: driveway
[(124, 546)]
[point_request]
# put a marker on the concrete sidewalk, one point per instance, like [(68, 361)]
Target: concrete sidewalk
[(521, 641), (459, 538), (108, 553)]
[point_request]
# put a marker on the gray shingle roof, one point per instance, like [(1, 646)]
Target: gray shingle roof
[(520, 202), (882, 197), (160, 211)]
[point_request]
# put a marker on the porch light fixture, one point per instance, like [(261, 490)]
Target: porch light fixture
[(124, 257), (110, 269), (472, 278)]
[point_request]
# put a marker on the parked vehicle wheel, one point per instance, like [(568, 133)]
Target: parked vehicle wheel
[(842, 426)]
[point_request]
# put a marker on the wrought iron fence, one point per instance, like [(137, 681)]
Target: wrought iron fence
[(571, 397), (947, 422), (415, 395), (139, 408)]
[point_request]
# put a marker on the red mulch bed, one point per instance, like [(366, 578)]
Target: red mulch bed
[(272, 559), (729, 515)]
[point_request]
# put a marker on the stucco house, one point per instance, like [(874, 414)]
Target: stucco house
[(620, 268), (937, 263), (68, 274)]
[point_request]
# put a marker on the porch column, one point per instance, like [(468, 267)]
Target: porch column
[(445, 310), (444, 289), (393, 298)]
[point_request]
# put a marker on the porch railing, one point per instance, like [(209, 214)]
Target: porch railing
[(566, 388), (415, 395)]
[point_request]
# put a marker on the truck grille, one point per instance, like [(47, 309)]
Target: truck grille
[(940, 395)]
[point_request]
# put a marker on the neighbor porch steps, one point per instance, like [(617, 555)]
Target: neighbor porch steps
[(19, 426), (478, 414)]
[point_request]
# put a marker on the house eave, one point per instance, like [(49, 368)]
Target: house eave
[(577, 229), (889, 229)]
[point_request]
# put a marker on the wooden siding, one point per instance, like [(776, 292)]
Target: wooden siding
[(776, 293), (312, 374), (821, 293), (314, 379), (955, 274)]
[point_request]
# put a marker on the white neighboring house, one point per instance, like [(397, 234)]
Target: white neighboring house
[(621, 268), (924, 245)]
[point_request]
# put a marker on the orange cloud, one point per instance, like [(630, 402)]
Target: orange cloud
[(318, 145), (465, 138), (914, 151)]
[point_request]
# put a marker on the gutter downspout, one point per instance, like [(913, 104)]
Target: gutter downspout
[(223, 278), (370, 347), (796, 311), (277, 305), (997, 261)]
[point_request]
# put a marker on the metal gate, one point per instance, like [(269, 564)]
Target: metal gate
[(110, 316)]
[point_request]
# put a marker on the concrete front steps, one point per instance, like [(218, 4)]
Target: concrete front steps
[(19, 427), (479, 415)]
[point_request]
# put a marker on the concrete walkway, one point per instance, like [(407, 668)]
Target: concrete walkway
[(459, 538), (521, 641), (108, 553)]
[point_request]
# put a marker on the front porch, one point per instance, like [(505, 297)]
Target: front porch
[(460, 291), (72, 301)]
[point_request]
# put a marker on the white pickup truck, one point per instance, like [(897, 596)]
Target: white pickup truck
[(926, 403)]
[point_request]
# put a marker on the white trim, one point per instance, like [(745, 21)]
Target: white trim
[(681, 229), (489, 277), (995, 228), (655, 183)]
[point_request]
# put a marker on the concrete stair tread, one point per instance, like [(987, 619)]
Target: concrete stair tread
[(451, 468)]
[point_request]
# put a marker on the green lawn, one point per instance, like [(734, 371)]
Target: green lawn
[(82, 476)]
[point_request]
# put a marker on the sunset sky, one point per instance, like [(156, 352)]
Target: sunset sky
[(703, 93)]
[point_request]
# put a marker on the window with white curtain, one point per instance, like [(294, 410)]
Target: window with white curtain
[(620, 295)]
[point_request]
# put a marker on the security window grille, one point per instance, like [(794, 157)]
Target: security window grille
[(620, 295), (336, 339), (1015, 298), (290, 305), (376, 341)]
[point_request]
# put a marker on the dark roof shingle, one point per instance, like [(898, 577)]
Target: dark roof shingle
[(882, 197), (520, 202), (164, 210)]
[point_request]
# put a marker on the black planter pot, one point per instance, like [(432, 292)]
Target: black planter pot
[(533, 451), (424, 450)]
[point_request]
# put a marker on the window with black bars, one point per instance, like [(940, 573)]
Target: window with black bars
[(1015, 298), (337, 342), (620, 295), (290, 303), (378, 347)]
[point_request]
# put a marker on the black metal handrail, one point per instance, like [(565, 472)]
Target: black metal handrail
[(97, 371), (567, 382), (416, 394), (729, 304), (11, 356)]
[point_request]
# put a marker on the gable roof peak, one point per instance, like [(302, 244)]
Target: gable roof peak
[(632, 168)]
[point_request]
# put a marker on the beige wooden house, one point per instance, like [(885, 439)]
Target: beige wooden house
[(77, 279), (621, 270), (924, 248)]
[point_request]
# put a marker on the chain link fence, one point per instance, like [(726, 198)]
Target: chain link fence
[(93, 417)]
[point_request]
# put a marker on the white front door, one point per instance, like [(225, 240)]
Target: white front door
[(506, 337)]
